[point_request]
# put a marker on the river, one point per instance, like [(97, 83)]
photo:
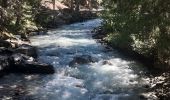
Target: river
[(111, 77)]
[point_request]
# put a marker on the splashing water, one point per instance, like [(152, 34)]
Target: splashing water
[(115, 79)]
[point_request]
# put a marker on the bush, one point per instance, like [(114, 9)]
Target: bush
[(142, 25)]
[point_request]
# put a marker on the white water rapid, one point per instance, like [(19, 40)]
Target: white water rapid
[(110, 77)]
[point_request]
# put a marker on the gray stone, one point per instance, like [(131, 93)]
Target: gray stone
[(27, 50), (5, 44), (83, 59), (107, 63), (25, 64), (4, 64), (6, 51)]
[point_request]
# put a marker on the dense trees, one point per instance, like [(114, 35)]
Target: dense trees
[(140, 25), (75, 4), (17, 15)]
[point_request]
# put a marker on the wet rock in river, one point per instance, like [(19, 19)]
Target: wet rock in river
[(27, 50), (6, 51), (107, 63), (83, 59), (25, 64), (4, 64), (79, 85), (148, 96), (5, 44)]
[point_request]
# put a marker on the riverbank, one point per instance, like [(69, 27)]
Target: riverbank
[(85, 69), (158, 78), (61, 18), (20, 57), (11, 43)]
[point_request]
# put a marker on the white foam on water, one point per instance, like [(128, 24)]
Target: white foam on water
[(93, 81)]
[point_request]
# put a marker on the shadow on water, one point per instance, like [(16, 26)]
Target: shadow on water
[(110, 77)]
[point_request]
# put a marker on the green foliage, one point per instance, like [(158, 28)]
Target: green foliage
[(73, 4), (44, 19), (17, 15), (141, 25)]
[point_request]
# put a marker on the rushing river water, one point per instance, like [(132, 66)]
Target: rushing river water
[(116, 79)]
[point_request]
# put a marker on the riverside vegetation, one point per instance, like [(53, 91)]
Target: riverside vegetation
[(141, 26), (140, 29), (135, 27), (21, 18)]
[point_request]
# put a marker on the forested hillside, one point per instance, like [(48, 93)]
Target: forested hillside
[(20, 17), (17, 15), (142, 26)]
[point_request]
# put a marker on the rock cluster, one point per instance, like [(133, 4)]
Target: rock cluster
[(21, 59), (83, 59), (161, 86)]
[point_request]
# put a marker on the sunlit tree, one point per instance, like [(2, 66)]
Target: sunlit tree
[(142, 25)]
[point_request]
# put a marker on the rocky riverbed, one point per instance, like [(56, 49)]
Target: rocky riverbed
[(158, 81), (84, 69), (21, 59)]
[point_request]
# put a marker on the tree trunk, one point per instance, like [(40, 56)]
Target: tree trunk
[(53, 4), (18, 15), (77, 9), (90, 4), (18, 20), (72, 4), (4, 3)]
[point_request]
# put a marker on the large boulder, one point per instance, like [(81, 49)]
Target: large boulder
[(27, 50), (25, 64), (83, 59), (4, 64), (6, 51), (5, 44)]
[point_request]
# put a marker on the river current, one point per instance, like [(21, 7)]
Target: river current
[(110, 77)]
